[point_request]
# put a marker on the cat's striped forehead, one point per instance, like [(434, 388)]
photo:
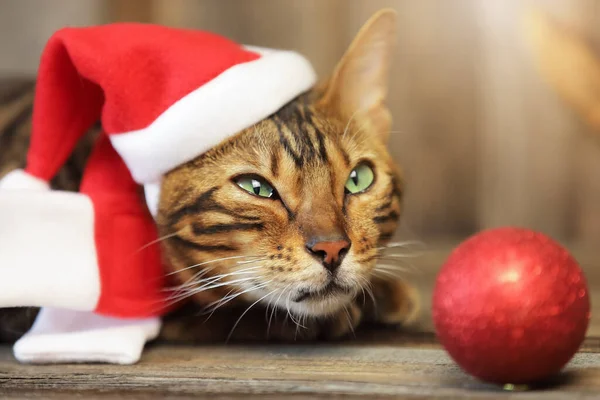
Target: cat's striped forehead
[(301, 135)]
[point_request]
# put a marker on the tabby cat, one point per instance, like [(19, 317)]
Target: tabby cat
[(276, 232)]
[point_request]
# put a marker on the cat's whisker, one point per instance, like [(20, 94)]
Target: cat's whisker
[(369, 290), (296, 330), (384, 271), (230, 297), (212, 307), (348, 124), (396, 267), (395, 254), (349, 318), (391, 272), (251, 261), (215, 305), (213, 261), (272, 304), (396, 263), (213, 285), (195, 281), (287, 306), (304, 318), (181, 289), (269, 303), (245, 312), (275, 307), (396, 245), (362, 127), (210, 279), (160, 239), (209, 286), (400, 265), (400, 244), (364, 295), (202, 284), (359, 282), (403, 255), (367, 286), (244, 271), (385, 275)]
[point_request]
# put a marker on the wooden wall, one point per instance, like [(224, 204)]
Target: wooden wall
[(483, 139)]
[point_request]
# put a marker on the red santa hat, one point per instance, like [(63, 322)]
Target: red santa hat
[(163, 95)]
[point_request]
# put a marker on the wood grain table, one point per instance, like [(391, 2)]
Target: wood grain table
[(395, 366), (377, 364)]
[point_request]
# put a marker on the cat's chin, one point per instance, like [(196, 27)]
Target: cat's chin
[(322, 306), (317, 306), (306, 304)]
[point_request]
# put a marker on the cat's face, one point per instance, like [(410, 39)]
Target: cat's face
[(291, 211)]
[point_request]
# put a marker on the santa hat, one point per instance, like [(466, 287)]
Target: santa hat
[(163, 95)]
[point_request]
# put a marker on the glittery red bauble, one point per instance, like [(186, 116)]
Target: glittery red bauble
[(511, 305)]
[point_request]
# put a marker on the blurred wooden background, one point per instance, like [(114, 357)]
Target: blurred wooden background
[(483, 140)]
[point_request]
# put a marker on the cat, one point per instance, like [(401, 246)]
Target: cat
[(276, 232)]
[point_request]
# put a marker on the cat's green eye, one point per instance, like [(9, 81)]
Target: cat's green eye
[(360, 179), (255, 186)]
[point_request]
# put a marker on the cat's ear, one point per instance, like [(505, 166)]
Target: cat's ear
[(358, 87)]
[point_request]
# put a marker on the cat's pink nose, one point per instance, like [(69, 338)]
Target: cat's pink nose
[(330, 252)]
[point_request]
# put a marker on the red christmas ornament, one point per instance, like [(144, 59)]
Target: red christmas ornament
[(511, 305)]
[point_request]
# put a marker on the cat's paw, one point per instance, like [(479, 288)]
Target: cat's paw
[(396, 303)]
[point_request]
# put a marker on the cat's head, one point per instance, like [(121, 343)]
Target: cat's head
[(291, 211)]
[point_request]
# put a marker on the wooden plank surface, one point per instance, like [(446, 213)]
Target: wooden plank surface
[(386, 369)]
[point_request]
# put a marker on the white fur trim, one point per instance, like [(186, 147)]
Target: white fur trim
[(19, 179), (60, 336), (47, 250), (235, 100), (152, 194)]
